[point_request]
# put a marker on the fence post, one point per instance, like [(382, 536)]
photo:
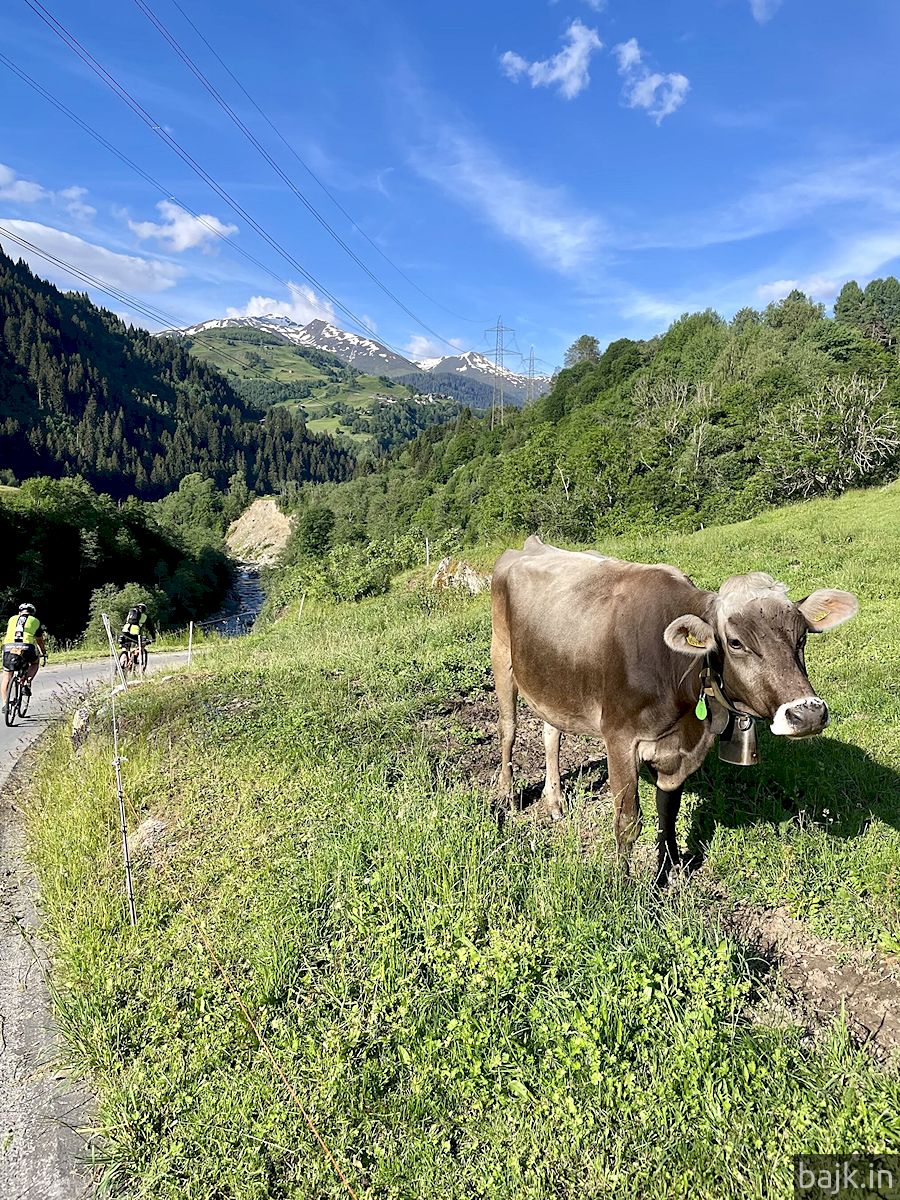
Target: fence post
[(117, 764), (302, 602), (427, 553), (190, 641)]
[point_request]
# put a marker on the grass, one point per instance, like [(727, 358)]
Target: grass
[(466, 1010), (280, 362)]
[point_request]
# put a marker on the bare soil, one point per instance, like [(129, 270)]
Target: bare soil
[(814, 980), (260, 533)]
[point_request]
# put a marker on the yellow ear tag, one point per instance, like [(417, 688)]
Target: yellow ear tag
[(820, 615), (692, 641)]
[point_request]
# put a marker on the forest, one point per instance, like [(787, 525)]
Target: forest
[(709, 423), (73, 553), (84, 394)]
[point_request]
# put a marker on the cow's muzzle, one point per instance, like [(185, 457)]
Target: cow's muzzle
[(801, 718)]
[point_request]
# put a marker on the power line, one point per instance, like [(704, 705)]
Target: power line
[(159, 316), (87, 58), (248, 133), (306, 167), (232, 247)]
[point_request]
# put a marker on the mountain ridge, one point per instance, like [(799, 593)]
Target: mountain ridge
[(369, 355)]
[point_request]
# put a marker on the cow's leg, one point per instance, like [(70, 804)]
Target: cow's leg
[(668, 854), (552, 788), (623, 787), (507, 696)]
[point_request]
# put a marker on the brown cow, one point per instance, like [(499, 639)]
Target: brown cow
[(620, 650)]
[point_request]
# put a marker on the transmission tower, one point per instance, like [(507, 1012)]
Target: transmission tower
[(497, 394), (529, 387)]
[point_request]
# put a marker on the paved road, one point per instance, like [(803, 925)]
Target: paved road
[(40, 1111)]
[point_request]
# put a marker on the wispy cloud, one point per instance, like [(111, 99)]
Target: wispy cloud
[(179, 230), (302, 305), (419, 347), (764, 10), (851, 191), (859, 256), (22, 191), (28, 191), (567, 70), (659, 95), (126, 271), (73, 201), (540, 219)]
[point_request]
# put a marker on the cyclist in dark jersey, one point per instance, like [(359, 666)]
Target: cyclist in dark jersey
[(24, 636), (137, 625)]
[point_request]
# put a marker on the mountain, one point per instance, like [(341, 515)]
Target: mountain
[(475, 373), (84, 394), (478, 367), (365, 354)]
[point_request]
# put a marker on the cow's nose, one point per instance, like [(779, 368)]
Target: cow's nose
[(805, 716)]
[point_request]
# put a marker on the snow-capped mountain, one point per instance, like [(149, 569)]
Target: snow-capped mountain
[(368, 355), (474, 365), (365, 354)]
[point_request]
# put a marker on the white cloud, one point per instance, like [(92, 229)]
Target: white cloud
[(419, 347), (537, 217), (764, 10), (819, 287), (179, 230), (568, 69), (125, 271), (27, 191), (303, 306), (22, 191), (660, 95), (73, 201)]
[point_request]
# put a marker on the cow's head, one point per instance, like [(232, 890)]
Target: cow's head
[(756, 638)]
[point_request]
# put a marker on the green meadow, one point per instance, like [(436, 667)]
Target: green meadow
[(466, 1008)]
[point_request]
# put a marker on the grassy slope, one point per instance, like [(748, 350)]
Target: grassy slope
[(466, 1010), (281, 363)]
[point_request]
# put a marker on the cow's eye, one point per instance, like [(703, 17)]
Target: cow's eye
[(735, 644)]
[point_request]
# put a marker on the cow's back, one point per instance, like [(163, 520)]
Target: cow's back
[(585, 631)]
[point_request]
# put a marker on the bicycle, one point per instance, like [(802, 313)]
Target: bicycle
[(133, 659), (17, 697)]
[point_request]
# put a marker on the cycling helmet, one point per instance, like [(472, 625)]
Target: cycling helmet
[(142, 607), (27, 608)]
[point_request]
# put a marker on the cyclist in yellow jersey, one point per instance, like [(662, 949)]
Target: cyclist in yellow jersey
[(24, 636), (137, 625)]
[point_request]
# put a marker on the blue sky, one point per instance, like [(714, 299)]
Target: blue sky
[(575, 166)]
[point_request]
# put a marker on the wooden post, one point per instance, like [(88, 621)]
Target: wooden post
[(427, 553), (190, 641)]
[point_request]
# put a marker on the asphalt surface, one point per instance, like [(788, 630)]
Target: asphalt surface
[(44, 1118)]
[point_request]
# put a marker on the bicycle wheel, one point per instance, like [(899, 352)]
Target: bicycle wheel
[(143, 659), (24, 698), (12, 698), (125, 664)]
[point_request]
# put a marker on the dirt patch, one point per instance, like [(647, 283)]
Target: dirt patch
[(822, 979), (465, 733), (260, 533), (813, 980)]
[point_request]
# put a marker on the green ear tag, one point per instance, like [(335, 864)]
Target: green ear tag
[(700, 710)]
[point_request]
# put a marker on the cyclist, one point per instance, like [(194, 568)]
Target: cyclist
[(137, 625), (24, 636)]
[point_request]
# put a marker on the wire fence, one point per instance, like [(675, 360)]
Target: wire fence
[(187, 907)]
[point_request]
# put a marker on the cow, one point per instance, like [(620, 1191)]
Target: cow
[(630, 652)]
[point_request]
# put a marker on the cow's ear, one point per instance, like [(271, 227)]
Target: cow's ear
[(827, 608), (690, 635)]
